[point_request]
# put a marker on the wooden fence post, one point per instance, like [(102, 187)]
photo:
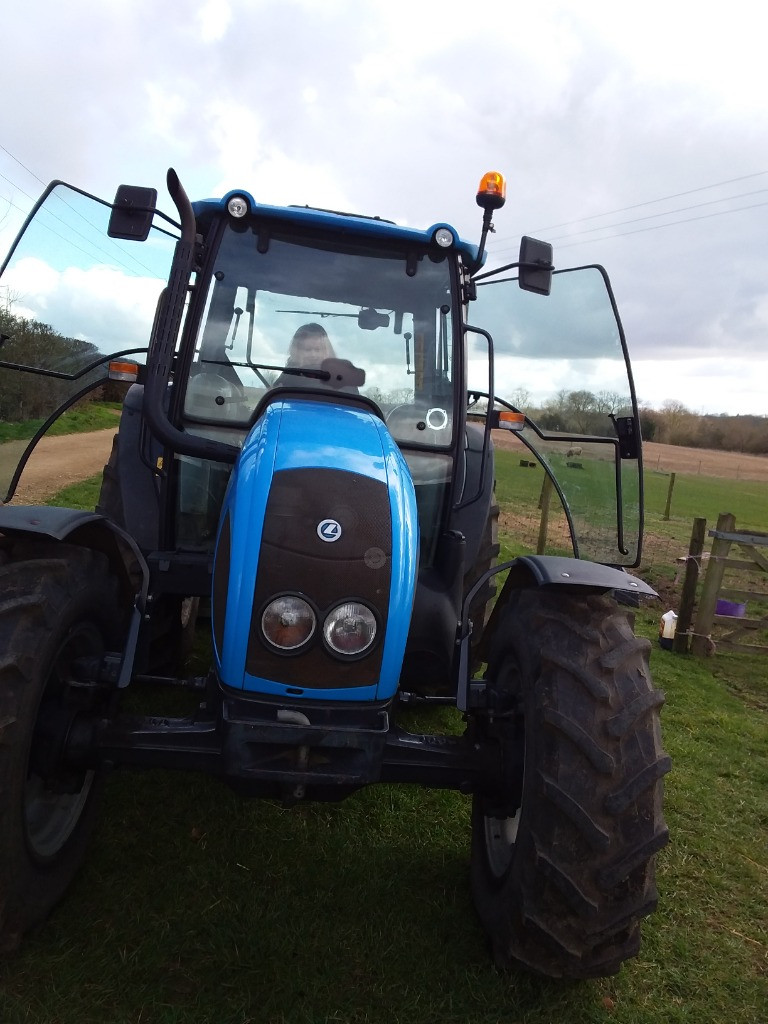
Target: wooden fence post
[(546, 493), (669, 496), (701, 643), (691, 579)]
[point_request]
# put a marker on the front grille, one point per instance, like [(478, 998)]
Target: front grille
[(293, 558)]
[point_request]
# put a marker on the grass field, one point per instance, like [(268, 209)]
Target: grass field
[(80, 419), (693, 496), (197, 906)]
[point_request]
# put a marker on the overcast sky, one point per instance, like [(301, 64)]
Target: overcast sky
[(635, 136)]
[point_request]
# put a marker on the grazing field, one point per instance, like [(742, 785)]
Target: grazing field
[(697, 492), (669, 458)]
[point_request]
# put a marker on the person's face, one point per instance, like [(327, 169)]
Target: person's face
[(311, 350)]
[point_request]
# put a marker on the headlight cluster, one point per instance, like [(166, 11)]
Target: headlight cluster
[(289, 622)]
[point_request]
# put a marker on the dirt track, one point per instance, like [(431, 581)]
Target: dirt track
[(59, 461)]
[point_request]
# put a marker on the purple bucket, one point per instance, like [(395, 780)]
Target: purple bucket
[(730, 608)]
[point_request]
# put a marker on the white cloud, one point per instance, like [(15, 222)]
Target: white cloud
[(100, 304), (396, 108), (213, 20)]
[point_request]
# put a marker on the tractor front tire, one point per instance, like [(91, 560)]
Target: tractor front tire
[(59, 603), (563, 846)]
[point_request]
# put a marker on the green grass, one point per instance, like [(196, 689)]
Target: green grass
[(81, 418), (693, 496), (82, 495), (196, 905)]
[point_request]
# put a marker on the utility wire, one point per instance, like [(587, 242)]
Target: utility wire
[(653, 216), (669, 213), (656, 227), (74, 230), (17, 187), (648, 202), (16, 160)]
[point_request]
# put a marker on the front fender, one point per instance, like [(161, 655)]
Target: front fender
[(578, 572), (548, 570), (45, 521)]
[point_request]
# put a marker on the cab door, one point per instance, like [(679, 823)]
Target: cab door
[(562, 360), (71, 299)]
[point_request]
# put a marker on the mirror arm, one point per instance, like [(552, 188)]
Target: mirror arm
[(535, 265)]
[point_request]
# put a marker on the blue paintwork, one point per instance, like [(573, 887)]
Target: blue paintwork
[(339, 223), (290, 435)]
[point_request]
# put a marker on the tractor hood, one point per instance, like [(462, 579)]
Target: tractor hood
[(318, 539)]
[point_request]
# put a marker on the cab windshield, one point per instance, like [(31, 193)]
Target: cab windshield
[(274, 318)]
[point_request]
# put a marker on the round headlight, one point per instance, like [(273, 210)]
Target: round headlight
[(237, 206), (444, 238), (350, 628), (288, 622)]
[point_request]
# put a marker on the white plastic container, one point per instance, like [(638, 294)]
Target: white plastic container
[(667, 629)]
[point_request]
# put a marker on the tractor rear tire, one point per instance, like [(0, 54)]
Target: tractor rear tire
[(58, 603), (563, 849)]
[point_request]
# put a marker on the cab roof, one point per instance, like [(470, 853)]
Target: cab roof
[(341, 223)]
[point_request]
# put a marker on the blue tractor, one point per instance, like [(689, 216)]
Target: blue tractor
[(304, 468)]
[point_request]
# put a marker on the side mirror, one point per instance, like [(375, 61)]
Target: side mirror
[(535, 265), (132, 213)]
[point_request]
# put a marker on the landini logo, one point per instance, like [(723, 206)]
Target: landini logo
[(329, 530)]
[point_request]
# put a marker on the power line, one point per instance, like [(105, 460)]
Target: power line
[(70, 228), (669, 213), (652, 227), (16, 160), (635, 206), (650, 202), (656, 227), (17, 187), (653, 216)]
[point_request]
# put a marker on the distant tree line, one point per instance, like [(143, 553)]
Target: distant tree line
[(582, 412), (32, 396), (676, 424), (578, 412)]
